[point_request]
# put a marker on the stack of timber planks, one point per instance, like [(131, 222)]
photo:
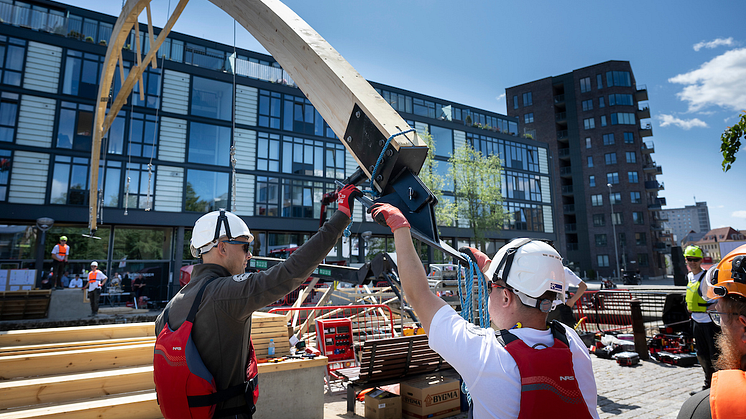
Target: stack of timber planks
[(95, 371)]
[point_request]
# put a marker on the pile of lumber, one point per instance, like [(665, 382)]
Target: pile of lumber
[(19, 305), (94, 371)]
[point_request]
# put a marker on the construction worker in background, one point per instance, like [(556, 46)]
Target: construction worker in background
[(703, 329), (60, 253), (524, 283), (726, 285), (563, 312), (96, 280), (222, 325)]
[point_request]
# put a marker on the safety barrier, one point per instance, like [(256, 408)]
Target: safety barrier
[(609, 310)]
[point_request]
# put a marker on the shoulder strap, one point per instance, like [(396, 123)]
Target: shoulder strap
[(504, 337), (197, 300), (559, 332)]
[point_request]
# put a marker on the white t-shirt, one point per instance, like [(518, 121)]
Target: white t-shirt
[(96, 284), (76, 283), (490, 373), (697, 316), (571, 279)]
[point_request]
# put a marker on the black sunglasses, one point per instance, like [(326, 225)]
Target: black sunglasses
[(693, 259), (246, 248)]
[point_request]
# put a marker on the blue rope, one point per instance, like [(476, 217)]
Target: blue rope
[(466, 294), (347, 232), (373, 174)]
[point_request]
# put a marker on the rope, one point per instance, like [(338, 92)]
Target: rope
[(233, 138), (380, 160), (466, 292)]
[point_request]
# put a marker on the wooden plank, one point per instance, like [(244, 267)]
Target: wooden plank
[(141, 405), (292, 364), (66, 346), (15, 366), (74, 386), (73, 334), (312, 315)]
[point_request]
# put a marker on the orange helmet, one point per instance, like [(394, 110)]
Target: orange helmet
[(728, 277)]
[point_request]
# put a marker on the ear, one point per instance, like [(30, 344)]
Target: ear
[(742, 326)]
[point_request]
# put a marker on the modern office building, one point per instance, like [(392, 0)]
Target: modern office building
[(166, 159), (604, 174), (694, 218)]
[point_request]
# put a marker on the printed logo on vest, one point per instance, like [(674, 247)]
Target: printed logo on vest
[(241, 277), (567, 378)]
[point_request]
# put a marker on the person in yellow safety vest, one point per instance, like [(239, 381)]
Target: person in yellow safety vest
[(703, 329), (96, 280), (726, 284), (60, 253)]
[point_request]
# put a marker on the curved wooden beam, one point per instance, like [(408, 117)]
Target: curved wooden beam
[(332, 85)]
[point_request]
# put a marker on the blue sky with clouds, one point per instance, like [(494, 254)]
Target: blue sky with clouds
[(690, 55)]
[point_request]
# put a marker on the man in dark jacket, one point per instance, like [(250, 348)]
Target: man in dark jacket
[(222, 325)]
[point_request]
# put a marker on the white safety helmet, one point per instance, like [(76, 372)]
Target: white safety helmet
[(213, 225), (94, 263), (530, 268)]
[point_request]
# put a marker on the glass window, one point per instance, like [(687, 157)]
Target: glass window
[(201, 56), (618, 78), (621, 99), (635, 197), (610, 158), (632, 177), (137, 183), (615, 198), (629, 138), (589, 123), (6, 161), (588, 105), (608, 139), (617, 218), (612, 178), (212, 98), (585, 85), (623, 118), (603, 120), (592, 181), (590, 161), (442, 140), (600, 240), (424, 108), (642, 259), (82, 73), (12, 57), (599, 220), (526, 217), (69, 181), (599, 81), (640, 239), (75, 128), (268, 152), (637, 218), (115, 135), (143, 133), (631, 157), (601, 103), (109, 178), (209, 144), (587, 142), (267, 198), (8, 116), (515, 102), (269, 109), (151, 83), (528, 100), (603, 261), (597, 200), (206, 191), (528, 118)]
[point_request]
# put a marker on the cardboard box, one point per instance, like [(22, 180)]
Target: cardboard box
[(432, 397), (380, 404)]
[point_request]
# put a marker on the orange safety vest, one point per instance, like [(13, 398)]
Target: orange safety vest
[(727, 394), (62, 251), (92, 276)]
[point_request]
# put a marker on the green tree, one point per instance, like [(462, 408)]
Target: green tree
[(478, 191), (445, 211), (731, 142)]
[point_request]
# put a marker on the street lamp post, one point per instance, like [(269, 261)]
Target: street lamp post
[(613, 231)]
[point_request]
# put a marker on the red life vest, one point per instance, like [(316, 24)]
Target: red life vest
[(184, 387), (548, 383), (727, 394), (62, 250)]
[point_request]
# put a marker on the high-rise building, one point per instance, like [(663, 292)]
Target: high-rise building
[(694, 218), (166, 159), (604, 174)]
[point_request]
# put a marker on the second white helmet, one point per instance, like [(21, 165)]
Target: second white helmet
[(213, 225)]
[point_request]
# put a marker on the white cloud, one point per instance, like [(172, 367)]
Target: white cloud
[(686, 124), (739, 214), (720, 82), (713, 44), (500, 98)]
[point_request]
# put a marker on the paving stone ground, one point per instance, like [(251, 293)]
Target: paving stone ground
[(645, 391)]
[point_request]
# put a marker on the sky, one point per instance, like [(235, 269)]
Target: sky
[(690, 55)]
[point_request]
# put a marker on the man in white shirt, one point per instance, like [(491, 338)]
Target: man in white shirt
[(76, 282), (525, 370), (96, 280)]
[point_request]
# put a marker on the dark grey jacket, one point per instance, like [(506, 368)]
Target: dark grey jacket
[(223, 323)]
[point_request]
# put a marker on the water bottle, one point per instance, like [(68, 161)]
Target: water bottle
[(271, 349)]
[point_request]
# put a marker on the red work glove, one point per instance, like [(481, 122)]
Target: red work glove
[(388, 215), (345, 198), (480, 258)]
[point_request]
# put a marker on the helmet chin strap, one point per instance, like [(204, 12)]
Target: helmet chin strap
[(545, 305)]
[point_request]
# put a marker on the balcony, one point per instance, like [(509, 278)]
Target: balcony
[(656, 227), (564, 153), (646, 130), (567, 190), (568, 208), (653, 185), (642, 93), (572, 247), (651, 167), (566, 171), (661, 247), (560, 99), (657, 204), (571, 228), (648, 147), (562, 136), (560, 117), (643, 113)]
